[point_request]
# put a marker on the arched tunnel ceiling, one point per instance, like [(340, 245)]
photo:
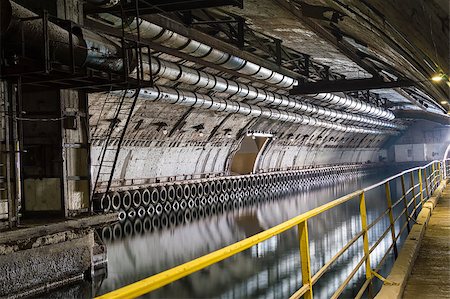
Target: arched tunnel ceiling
[(352, 38), (402, 38)]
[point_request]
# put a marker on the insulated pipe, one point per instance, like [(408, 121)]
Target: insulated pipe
[(197, 49), (89, 48), (200, 79), (192, 99), (352, 104)]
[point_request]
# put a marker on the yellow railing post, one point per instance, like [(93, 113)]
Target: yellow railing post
[(413, 190), (405, 202), (433, 175), (391, 217), (426, 182), (420, 185), (439, 171), (363, 213), (305, 258)]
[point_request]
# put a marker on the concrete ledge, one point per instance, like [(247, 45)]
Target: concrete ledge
[(48, 229), (39, 268), (405, 262)]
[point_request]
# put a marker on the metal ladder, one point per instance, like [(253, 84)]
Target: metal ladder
[(110, 154)]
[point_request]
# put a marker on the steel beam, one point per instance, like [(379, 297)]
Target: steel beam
[(163, 6), (346, 85), (340, 44), (443, 119)]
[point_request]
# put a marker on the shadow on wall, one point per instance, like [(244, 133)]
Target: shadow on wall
[(245, 158)]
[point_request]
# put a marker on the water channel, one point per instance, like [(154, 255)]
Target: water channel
[(270, 269)]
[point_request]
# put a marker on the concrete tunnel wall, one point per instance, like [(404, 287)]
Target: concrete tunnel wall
[(178, 148)]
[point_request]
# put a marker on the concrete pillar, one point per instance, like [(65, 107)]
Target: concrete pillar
[(75, 152), (75, 132)]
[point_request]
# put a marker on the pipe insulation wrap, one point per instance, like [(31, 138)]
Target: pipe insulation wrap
[(192, 99), (89, 48), (200, 79), (197, 49), (353, 104)]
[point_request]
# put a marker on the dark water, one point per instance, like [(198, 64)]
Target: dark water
[(270, 269)]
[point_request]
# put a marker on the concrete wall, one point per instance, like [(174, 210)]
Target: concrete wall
[(164, 140), (164, 160), (423, 141), (40, 262)]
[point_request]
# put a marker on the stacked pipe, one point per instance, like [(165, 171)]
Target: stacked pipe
[(23, 31), (192, 99), (165, 205), (170, 39), (93, 50), (200, 79)]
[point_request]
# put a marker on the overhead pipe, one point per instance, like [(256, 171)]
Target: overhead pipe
[(89, 48), (200, 79), (104, 3), (197, 49), (354, 105), (196, 100)]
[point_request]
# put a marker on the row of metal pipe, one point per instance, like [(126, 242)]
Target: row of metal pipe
[(171, 39), (23, 31), (200, 79), (197, 100), (92, 49)]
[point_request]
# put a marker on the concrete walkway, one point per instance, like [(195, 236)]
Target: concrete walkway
[(430, 277)]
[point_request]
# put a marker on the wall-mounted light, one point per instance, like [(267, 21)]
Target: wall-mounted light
[(437, 78), (259, 134)]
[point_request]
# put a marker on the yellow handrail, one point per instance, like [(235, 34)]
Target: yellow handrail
[(159, 280)]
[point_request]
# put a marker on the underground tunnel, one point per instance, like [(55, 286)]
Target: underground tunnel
[(224, 149)]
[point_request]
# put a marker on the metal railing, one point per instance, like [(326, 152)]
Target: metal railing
[(411, 200)]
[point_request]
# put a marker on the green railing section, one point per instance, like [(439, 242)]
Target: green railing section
[(413, 196)]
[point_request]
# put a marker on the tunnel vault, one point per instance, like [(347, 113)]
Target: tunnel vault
[(105, 109)]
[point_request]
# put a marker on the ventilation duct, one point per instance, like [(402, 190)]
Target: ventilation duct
[(89, 48), (200, 79), (196, 100)]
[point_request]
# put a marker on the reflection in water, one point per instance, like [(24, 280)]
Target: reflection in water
[(270, 269)]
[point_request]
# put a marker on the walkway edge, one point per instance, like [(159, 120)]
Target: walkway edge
[(405, 262)]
